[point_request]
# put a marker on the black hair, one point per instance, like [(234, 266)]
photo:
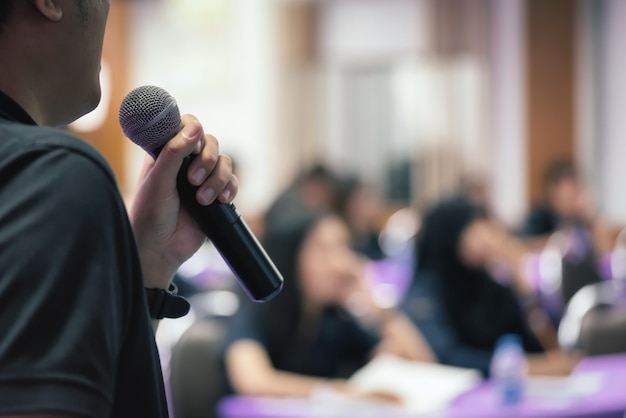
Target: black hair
[(281, 317), (479, 309), (345, 189), (6, 8), (84, 9), (558, 170), (317, 172)]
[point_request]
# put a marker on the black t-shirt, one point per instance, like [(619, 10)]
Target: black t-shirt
[(75, 333), (540, 221), (336, 347)]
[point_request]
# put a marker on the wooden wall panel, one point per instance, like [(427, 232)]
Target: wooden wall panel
[(108, 138), (551, 44)]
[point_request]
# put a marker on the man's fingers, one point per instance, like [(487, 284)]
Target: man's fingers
[(230, 190), (220, 182), (210, 171), (205, 161), (171, 157)]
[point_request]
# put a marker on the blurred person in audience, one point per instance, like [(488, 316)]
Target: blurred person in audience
[(75, 265), (461, 308), (584, 239), (475, 186), (323, 326), (567, 203), (314, 189), (359, 205)]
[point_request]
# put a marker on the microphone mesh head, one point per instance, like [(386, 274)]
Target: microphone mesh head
[(149, 117)]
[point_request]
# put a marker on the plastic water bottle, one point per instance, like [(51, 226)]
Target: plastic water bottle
[(508, 369)]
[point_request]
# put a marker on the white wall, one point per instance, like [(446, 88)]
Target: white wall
[(507, 151), (367, 49), (388, 96), (602, 100), (215, 57), (610, 160), (363, 30)]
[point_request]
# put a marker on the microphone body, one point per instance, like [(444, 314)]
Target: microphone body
[(149, 117)]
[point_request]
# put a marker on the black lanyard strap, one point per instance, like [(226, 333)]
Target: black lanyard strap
[(10, 110)]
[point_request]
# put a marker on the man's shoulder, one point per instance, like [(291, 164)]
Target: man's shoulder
[(17, 139)]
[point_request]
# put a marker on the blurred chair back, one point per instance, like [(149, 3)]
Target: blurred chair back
[(565, 265), (580, 262), (195, 370), (595, 319), (617, 263)]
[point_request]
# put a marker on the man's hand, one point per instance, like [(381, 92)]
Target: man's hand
[(166, 234)]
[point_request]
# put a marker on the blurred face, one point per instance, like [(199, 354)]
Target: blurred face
[(318, 194), (328, 268), (564, 197), (474, 249), (80, 56), (363, 208)]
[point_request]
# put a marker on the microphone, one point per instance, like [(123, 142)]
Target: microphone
[(149, 117)]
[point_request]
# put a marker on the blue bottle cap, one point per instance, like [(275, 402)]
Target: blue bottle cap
[(509, 339)]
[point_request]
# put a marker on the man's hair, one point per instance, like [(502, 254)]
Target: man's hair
[(83, 9), (6, 7), (562, 169)]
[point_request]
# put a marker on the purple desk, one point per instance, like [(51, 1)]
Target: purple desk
[(609, 402), (480, 402)]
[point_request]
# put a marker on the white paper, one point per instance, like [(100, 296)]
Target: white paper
[(559, 390), (424, 387)]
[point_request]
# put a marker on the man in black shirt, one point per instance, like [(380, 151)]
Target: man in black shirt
[(586, 240), (567, 204), (76, 338)]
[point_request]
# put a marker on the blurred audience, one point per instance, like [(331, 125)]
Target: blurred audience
[(314, 189), (460, 307), (567, 203), (359, 204), (475, 185), (323, 326), (569, 215)]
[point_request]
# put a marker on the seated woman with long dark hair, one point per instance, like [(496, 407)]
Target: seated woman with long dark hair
[(306, 337), (461, 309)]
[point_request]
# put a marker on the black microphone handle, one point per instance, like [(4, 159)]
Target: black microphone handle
[(232, 238)]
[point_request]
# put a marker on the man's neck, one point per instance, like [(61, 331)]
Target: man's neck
[(12, 111), (14, 82)]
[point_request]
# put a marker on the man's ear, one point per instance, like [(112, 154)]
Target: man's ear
[(50, 9)]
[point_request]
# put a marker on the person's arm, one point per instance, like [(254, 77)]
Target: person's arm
[(400, 337), (40, 416), (601, 235), (251, 373), (68, 263), (536, 243), (166, 234), (507, 248), (552, 363), (424, 307)]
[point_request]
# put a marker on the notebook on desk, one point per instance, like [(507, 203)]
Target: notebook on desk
[(424, 387)]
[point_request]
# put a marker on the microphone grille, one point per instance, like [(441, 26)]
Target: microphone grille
[(149, 117)]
